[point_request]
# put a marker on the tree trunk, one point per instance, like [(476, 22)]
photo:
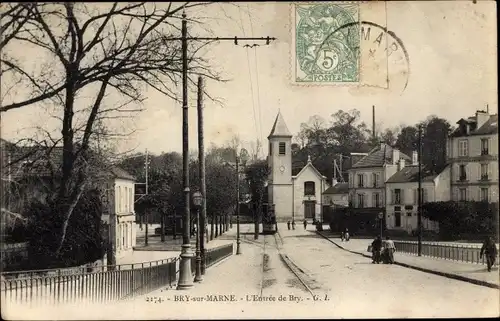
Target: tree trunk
[(162, 226), (211, 227), (216, 226), (227, 222)]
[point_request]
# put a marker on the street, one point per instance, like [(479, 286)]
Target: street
[(313, 278)]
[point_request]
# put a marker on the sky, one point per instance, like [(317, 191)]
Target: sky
[(452, 73)]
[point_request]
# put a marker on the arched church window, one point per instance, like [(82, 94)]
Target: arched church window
[(282, 148), (309, 189)]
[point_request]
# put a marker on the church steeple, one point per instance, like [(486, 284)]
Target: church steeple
[(279, 128)]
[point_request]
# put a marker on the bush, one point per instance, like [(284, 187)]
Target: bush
[(83, 243), (462, 218)]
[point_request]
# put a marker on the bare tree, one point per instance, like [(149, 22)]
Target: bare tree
[(96, 50)]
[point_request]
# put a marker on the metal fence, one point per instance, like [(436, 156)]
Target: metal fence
[(454, 252), (100, 284)]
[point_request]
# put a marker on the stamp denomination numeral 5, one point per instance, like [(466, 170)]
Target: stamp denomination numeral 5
[(329, 59)]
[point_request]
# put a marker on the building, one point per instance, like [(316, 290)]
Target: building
[(337, 195), (367, 180), (295, 197), (472, 152), (120, 191), (33, 170), (402, 197)]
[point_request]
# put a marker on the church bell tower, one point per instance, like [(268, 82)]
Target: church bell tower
[(280, 186)]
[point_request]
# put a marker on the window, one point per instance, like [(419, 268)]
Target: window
[(375, 179), (397, 196), (484, 171), (309, 188), (360, 180), (408, 213), (463, 148), (462, 174), (361, 200), (397, 219), (376, 200), (282, 148), (484, 194), (484, 146), (462, 194)]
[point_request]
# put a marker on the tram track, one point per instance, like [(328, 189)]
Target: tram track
[(298, 274)]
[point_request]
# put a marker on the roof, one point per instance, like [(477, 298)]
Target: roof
[(490, 127), (409, 174), (339, 188), (118, 172), (309, 164), (279, 128), (379, 156)]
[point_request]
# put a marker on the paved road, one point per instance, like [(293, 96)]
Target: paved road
[(347, 286)]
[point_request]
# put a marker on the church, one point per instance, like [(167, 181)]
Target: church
[(294, 197)]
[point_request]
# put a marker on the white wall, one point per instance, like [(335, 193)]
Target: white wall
[(308, 174), (125, 215)]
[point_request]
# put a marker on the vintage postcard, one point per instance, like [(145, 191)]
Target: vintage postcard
[(249, 160)]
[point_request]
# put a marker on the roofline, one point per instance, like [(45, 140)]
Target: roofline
[(278, 136)]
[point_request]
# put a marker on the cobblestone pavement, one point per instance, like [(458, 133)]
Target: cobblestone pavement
[(472, 271), (339, 284)]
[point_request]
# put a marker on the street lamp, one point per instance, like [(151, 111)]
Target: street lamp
[(380, 217), (197, 201)]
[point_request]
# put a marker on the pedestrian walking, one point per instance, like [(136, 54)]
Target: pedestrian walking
[(489, 248), (389, 249), (288, 225), (305, 224), (293, 224), (346, 235), (376, 248), (342, 236)]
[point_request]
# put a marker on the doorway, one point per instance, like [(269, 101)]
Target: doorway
[(309, 209)]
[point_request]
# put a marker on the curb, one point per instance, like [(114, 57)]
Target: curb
[(445, 274)]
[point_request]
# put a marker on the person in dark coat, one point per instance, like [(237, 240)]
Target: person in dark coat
[(305, 224), (489, 248), (376, 248), (288, 225), (293, 224)]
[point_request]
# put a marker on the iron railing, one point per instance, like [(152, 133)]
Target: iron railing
[(453, 252), (98, 284), (105, 283)]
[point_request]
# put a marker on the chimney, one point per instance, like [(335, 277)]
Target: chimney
[(401, 164), (414, 158), (395, 156), (481, 118)]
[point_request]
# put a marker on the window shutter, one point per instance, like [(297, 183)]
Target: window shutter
[(490, 171), (467, 172), (393, 197), (415, 196), (365, 180), (374, 199), (424, 196), (402, 196)]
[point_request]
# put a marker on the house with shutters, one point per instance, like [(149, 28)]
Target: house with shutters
[(402, 196), (367, 178), (472, 152)]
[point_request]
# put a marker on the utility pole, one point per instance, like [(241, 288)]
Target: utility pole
[(203, 187), (238, 241), (185, 274), (419, 209)]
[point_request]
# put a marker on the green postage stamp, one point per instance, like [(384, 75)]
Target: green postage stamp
[(326, 43)]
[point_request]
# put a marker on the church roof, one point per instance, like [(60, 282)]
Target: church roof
[(279, 128), (309, 164)]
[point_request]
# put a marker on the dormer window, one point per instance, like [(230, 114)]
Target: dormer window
[(282, 148)]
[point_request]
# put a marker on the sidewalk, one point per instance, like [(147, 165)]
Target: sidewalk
[(469, 272)]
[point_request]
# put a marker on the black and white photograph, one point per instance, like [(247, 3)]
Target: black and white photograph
[(249, 160)]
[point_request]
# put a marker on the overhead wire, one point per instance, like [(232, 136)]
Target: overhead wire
[(257, 80), (250, 75)]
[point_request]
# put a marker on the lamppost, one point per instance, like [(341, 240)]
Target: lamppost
[(238, 240), (380, 218), (197, 201)]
